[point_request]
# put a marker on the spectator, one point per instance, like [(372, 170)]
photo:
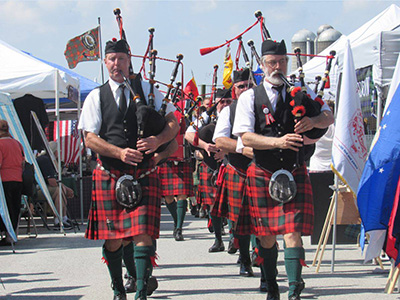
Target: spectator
[(50, 175), (12, 161)]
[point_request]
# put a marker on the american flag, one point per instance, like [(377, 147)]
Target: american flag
[(70, 140)]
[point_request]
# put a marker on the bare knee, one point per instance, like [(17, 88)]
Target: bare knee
[(293, 239), (113, 245), (267, 241), (143, 240)]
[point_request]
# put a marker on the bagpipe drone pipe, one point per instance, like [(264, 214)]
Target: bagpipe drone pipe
[(149, 121)]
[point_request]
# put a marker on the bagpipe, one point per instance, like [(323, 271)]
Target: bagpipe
[(149, 121)]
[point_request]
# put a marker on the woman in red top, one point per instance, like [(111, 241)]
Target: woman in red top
[(11, 165)]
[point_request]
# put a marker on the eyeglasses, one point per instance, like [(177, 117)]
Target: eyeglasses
[(243, 86), (227, 102), (273, 63)]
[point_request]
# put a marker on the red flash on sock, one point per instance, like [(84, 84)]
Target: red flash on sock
[(104, 260), (303, 263)]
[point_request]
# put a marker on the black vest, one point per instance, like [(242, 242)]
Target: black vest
[(117, 129), (237, 160), (274, 159)]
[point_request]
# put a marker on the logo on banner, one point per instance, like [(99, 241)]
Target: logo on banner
[(357, 125)]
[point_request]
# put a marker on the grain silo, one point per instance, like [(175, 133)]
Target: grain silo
[(303, 39), (326, 38)]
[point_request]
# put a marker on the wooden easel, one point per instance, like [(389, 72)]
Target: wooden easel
[(343, 219)]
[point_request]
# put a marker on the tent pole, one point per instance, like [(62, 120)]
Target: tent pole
[(80, 157), (58, 150)]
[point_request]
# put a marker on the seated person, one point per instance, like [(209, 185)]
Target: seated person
[(50, 175)]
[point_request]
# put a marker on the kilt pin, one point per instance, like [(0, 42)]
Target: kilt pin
[(109, 220), (270, 217), (176, 178), (231, 200), (206, 190)]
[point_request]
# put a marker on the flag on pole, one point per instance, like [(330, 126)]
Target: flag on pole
[(70, 140), (84, 47), (381, 173), (228, 68), (191, 88), (349, 149)]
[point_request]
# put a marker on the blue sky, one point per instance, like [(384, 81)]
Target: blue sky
[(44, 27)]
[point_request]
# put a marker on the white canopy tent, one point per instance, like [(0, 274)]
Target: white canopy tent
[(22, 74), (376, 44)]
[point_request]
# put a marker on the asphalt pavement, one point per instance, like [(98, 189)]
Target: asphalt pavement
[(69, 267)]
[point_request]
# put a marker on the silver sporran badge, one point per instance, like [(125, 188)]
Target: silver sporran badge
[(282, 187), (128, 192)]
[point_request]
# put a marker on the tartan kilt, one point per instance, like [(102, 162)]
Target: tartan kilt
[(230, 201), (270, 217), (206, 190), (176, 179), (109, 220)]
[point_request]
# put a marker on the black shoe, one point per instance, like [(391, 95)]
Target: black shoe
[(299, 287), (246, 270), (118, 287), (130, 285), (231, 247), (178, 235), (152, 285), (120, 297), (217, 247), (273, 290), (67, 226), (263, 286)]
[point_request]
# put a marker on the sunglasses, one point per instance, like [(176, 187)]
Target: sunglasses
[(243, 86), (228, 102)]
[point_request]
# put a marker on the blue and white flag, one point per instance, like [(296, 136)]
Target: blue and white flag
[(381, 173), (349, 149)]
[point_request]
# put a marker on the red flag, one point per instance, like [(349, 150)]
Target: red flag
[(70, 141), (191, 87), (391, 250), (84, 47)]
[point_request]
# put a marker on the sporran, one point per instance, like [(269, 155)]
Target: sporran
[(282, 187), (128, 192)]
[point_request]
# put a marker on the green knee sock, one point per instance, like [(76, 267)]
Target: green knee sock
[(172, 209), (293, 266), (270, 257), (181, 207), (217, 224), (143, 269), (114, 265), (129, 259), (230, 225), (244, 245)]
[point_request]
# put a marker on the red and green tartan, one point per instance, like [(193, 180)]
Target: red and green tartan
[(108, 220), (176, 179), (229, 200), (206, 190), (270, 217)]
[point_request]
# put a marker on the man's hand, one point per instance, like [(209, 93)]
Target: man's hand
[(149, 144), (305, 124), (219, 155), (290, 141), (210, 148), (131, 156)]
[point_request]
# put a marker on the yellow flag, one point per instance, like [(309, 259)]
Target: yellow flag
[(228, 67)]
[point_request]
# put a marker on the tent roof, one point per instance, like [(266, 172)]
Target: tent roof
[(366, 47), (23, 74)]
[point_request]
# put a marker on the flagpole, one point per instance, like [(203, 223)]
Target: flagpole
[(101, 52), (335, 194)]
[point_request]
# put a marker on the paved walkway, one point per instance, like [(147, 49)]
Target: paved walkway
[(54, 266)]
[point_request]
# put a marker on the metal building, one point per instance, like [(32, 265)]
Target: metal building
[(303, 39)]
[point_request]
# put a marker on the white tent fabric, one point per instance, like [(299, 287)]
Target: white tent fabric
[(375, 43), (8, 113), (23, 74)]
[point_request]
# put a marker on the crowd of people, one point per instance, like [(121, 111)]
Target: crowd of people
[(247, 148), (251, 170)]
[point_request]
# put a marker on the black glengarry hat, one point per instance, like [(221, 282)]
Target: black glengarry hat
[(115, 46), (241, 75), (273, 47), (223, 93)]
